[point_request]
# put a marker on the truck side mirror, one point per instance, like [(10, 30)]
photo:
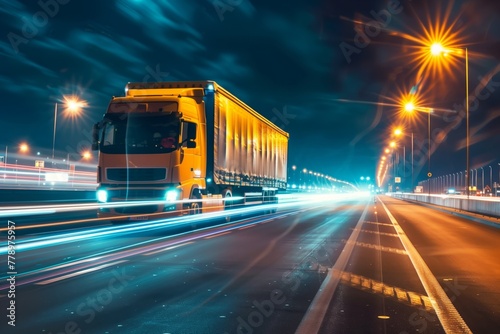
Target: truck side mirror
[(191, 131), (95, 137)]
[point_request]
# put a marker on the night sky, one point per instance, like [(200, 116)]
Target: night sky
[(286, 59)]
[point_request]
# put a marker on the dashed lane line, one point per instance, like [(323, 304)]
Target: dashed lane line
[(313, 319)]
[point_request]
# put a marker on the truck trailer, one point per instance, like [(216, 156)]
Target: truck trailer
[(175, 148)]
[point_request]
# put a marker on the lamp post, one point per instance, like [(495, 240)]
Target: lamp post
[(491, 179), (412, 179), (498, 184), (467, 141), (429, 143), (475, 180), (54, 135), (399, 132), (409, 106), (482, 177), (72, 104), (436, 49)]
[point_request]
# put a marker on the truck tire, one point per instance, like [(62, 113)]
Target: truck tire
[(195, 207), (226, 193)]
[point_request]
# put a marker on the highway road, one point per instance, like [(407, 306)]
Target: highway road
[(344, 264)]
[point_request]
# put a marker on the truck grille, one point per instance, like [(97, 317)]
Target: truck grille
[(132, 194), (136, 174)]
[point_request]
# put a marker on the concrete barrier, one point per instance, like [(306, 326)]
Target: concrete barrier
[(489, 206)]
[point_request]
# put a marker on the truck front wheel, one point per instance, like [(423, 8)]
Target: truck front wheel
[(226, 195), (195, 207)]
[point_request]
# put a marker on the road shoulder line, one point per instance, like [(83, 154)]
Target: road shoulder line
[(448, 315)]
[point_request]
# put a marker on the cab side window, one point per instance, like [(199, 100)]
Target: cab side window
[(185, 132)]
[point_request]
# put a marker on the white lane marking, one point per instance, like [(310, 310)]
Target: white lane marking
[(168, 248), (448, 315), (77, 273), (312, 320)]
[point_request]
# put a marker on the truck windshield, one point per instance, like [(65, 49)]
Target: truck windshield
[(140, 133)]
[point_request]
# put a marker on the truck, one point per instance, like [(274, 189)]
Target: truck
[(177, 148)]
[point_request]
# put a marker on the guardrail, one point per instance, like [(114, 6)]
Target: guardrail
[(489, 206)]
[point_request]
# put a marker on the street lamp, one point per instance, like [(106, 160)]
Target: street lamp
[(23, 148), (410, 104), (73, 105), (437, 49), (398, 132)]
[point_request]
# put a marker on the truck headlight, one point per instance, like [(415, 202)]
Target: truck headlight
[(171, 195), (102, 196)]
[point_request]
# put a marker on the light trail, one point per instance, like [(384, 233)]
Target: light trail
[(39, 241), (17, 211), (140, 248)]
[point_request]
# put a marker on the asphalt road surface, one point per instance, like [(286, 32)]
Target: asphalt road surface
[(341, 265)]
